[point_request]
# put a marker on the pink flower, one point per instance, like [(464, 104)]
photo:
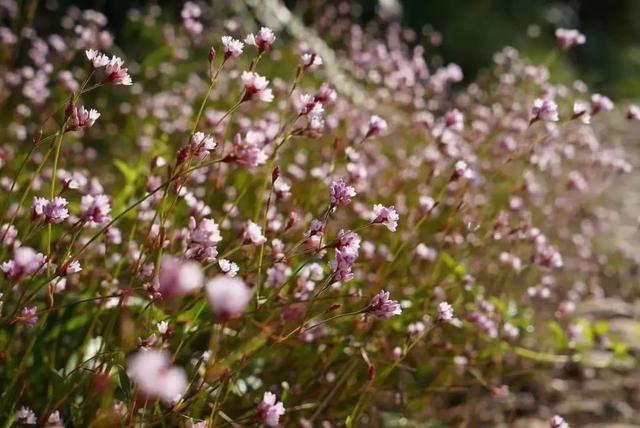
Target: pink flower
[(600, 103), (26, 261), (203, 240), (310, 60), (325, 94), (95, 209), (26, 416), (29, 315), (228, 297), (581, 111), (377, 126), (383, 307), (269, 411), (201, 145), (387, 216), (97, 59), (232, 47), (454, 119), (55, 419), (255, 87), (634, 112), (253, 234), (544, 109), (346, 252), (569, 37), (190, 13), (53, 212), (558, 422), (155, 377), (228, 268), (341, 193), (71, 267), (179, 278), (115, 74), (81, 118), (246, 151), (262, 40), (445, 312)]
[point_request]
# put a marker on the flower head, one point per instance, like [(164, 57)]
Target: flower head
[(178, 277), (445, 312), (95, 209), (228, 296), (246, 152), (341, 193), (544, 109), (600, 103), (262, 40), (201, 145), (155, 377), (52, 212), (569, 37), (376, 126), (270, 410), (253, 234), (383, 307), (98, 59), (26, 416), (26, 261), (255, 87), (81, 118), (203, 240), (232, 47), (558, 422), (633, 113), (387, 216)]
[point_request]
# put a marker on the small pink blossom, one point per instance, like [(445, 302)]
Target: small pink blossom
[(376, 126), (634, 112), (383, 307), (262, 40), (52, 212), (387, 216), (253, 234), (228, 297), (29, 316), (178, 277), (26, 416), (203, 239), (97, 59), (600, 103), (246, 151), (95, 209), (544, 109), (445, 312), (581, 111), (558, 422), (26, 261), (232, 47), (270, 410), (310, 61), (201, 145), (341, 193), (569, 37), (155, 377), (255, 87), (81, 118)]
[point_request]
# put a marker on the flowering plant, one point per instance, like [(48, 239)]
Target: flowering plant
[(230, 239)]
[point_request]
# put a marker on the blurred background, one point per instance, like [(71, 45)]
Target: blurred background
[(472, 30)]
